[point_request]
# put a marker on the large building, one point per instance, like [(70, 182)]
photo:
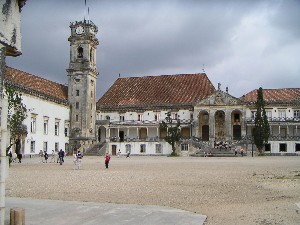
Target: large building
[(127, 117)]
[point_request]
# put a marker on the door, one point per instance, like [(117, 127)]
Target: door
[(113, 149), (205, 133), (237, 132)]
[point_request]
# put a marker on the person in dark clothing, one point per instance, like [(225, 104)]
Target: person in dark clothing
[(46, 156), (61, 155)]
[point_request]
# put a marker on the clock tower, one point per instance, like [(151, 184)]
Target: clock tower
[(82, 77)]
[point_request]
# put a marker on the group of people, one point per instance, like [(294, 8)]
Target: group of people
[(58, 157)]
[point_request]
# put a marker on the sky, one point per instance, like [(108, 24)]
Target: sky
[(242, 44)]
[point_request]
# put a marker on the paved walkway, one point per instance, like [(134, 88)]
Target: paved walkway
[(55, 212)]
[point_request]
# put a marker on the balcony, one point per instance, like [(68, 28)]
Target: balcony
[(139, 123), (276, 119)]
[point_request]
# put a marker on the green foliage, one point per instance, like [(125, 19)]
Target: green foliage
[(261, 130), (17, 113), (173, 132)]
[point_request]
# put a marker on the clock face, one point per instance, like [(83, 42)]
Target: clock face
[(79, 30)]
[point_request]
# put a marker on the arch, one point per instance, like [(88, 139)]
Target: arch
[(203, 121), (101, 134), (236, 123), (79, 52)]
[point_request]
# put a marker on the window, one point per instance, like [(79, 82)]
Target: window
[(77, 92), (281, 114), (122, 118), (66, 131), (56, 128), (91, 94), (253, 115), (297, 114), (0, 115), (174, 116), (157, 117), (143, 148), (56, 147), (236, 117), (158, 148), (32, 147), (77, 118), (128, 148), (140, 117), (282, 147), (108, 118), (46, 125), (297, 147), (269, 115), (45, 146), (77, 105), (267, 147), (184, 147), (33, 124), (79, 52)]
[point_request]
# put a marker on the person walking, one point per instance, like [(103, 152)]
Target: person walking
[(61, 156), (46, 156), (107, 159), (78, 160)]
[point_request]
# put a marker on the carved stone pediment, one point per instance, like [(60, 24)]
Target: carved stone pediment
[(220, 98)]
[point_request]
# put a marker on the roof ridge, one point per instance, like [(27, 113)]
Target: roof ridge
[(35, 76), (163, 75)]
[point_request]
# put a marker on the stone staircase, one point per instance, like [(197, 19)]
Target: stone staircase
[(97, 150), (204, 148)]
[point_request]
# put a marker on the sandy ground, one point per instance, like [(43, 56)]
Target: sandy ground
[(259, 190)]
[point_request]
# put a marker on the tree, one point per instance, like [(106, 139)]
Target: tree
[(261, 130), (17, 113), (173, 131)]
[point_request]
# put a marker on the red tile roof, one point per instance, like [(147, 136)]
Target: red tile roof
[(276, 96), (149, 91), (37, 86)]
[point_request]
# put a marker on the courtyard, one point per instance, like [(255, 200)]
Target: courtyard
[(235, 190)]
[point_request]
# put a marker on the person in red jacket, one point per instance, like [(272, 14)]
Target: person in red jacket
[(107, 158)]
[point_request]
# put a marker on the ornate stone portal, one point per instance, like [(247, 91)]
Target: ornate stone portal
[(220, 130)]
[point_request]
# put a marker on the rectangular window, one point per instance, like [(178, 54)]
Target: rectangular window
[(128, 148), (184, 147), (236, 117), (282, 147), (122, 118), (32, 147), (267, 147), (45, 146), (297, 147), (140, 117), (77, 118), (46, 125), (66, 131), (77, 105), (158, 148), (56, 128), (174, 116), (33, 124), (143, 148), (269, 115), (253, 115), (297, 114), (77, 92), (281, 115), (56, 147)]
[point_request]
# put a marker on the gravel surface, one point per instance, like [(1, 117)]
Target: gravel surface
[(241, 190)]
